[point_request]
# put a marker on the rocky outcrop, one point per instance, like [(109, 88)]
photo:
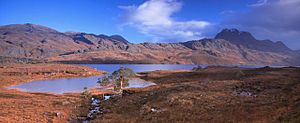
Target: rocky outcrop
[(229, 47)]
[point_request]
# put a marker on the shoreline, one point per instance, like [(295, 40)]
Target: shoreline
[(87, 73)]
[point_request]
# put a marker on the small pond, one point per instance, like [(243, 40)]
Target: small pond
[(65, 85)]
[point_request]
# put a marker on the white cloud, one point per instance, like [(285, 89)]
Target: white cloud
[(155, 18)]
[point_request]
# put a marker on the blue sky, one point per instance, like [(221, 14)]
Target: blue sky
[(146, 20)]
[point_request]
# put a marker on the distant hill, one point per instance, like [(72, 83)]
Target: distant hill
[(230, 46)]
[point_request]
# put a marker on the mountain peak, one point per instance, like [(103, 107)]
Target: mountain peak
[(230, 30), (245, 39), (235, 35)]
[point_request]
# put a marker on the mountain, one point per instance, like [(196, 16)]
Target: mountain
[(34, 41), (245, 39), (230, 46)]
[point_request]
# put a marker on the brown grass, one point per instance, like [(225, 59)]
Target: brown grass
[(209, 95)]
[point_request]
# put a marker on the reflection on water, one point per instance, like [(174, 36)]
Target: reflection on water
[(59, 85), (77, 84)]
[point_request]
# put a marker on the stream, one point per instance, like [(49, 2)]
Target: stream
[(95, 108)]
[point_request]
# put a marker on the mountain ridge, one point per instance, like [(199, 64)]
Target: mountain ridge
[(43, 43)]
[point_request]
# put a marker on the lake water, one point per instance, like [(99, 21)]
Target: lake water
[(77, 84), (142, 67)]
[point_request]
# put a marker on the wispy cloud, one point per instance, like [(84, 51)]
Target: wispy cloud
[(155, 18), (260, 3)]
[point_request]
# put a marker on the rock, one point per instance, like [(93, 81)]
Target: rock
[(58, 114), (154, 110)]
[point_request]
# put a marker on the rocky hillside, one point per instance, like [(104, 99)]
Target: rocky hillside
[(34, 41), (230, 46)]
